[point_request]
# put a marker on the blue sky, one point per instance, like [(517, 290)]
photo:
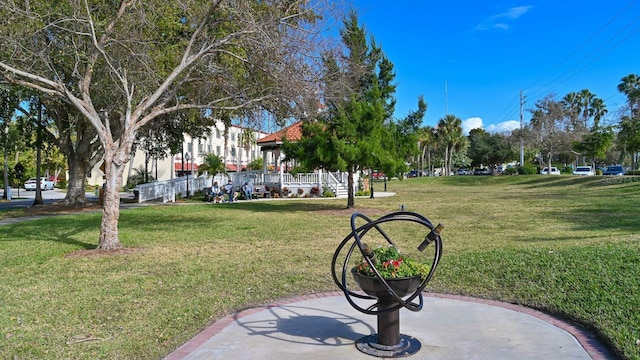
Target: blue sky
[(472, 58)]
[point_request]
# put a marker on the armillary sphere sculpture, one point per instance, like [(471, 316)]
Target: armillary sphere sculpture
[(390, 294)]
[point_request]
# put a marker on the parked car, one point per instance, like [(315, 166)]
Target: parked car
[(481, 172), (45, 184), (377, 175), (584, 170), (554, 171), (614, 170), (463, 172), (412, 173)]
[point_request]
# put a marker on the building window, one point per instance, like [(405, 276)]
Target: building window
[(218, 151), (218, 135), (200, 149)]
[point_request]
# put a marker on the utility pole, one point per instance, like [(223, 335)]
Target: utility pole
[(521, 128)]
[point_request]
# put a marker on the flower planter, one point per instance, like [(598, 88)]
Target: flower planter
[(372, 286), (375, 275), (388, 342)]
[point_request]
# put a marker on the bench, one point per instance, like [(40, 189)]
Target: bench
[(207, 194), (261, 191)]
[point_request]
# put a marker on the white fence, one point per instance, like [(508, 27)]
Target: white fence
[(168, 190)]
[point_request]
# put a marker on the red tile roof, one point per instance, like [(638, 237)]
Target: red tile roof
[(234, 167), (187, 166), (292, 132)]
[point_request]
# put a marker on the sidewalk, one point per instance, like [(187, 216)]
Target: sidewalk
[(325, 326)]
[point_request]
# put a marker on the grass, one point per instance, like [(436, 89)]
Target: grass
[(563, 244)]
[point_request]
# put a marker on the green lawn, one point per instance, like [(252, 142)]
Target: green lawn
[(565, 245)]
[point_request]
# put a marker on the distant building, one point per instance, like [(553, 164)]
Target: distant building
[(236, 158)]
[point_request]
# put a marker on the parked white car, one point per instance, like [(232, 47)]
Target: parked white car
[(554, 171), (45, 184), (584, 170)]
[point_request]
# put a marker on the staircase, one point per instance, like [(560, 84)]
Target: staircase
[(342, 191)]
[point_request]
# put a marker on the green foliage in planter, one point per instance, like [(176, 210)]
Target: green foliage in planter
[(391, 264)]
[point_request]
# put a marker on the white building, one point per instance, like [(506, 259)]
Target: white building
[(236, 157)]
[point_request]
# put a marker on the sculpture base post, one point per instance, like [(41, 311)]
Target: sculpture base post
[(388, 342)]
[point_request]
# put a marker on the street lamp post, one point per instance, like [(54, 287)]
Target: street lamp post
[(187, 157), (6, 194), (371, 184)]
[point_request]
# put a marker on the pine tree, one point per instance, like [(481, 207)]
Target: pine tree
[(358, 95)]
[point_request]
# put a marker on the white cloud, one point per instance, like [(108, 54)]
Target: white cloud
[(504, 127), (476, 123), (497, 21), (514, 12), (470, 124)]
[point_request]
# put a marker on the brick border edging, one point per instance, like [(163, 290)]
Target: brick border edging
[(586, 339)]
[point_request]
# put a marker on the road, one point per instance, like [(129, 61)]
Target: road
[(24, 199)]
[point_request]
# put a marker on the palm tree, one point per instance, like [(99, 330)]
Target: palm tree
[(630, 86), (427, 142), (450, 134), (571, 103), (247, 140), (630, 125), (598, 109), (212, 164), (586, 98)]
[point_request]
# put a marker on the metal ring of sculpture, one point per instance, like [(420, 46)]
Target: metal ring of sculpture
[(388, 342), (357, 233)]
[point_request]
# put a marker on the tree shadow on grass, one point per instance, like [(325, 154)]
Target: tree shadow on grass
[(62, 229)]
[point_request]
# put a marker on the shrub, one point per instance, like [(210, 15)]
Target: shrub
[(328, 193), (527, 170), (511, 171)]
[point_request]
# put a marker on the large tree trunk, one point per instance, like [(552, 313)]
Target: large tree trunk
[(77, 141), (109, 238), (75, 186)]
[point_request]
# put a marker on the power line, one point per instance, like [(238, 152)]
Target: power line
[(595, 51), (506, 109), (615, 17)]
